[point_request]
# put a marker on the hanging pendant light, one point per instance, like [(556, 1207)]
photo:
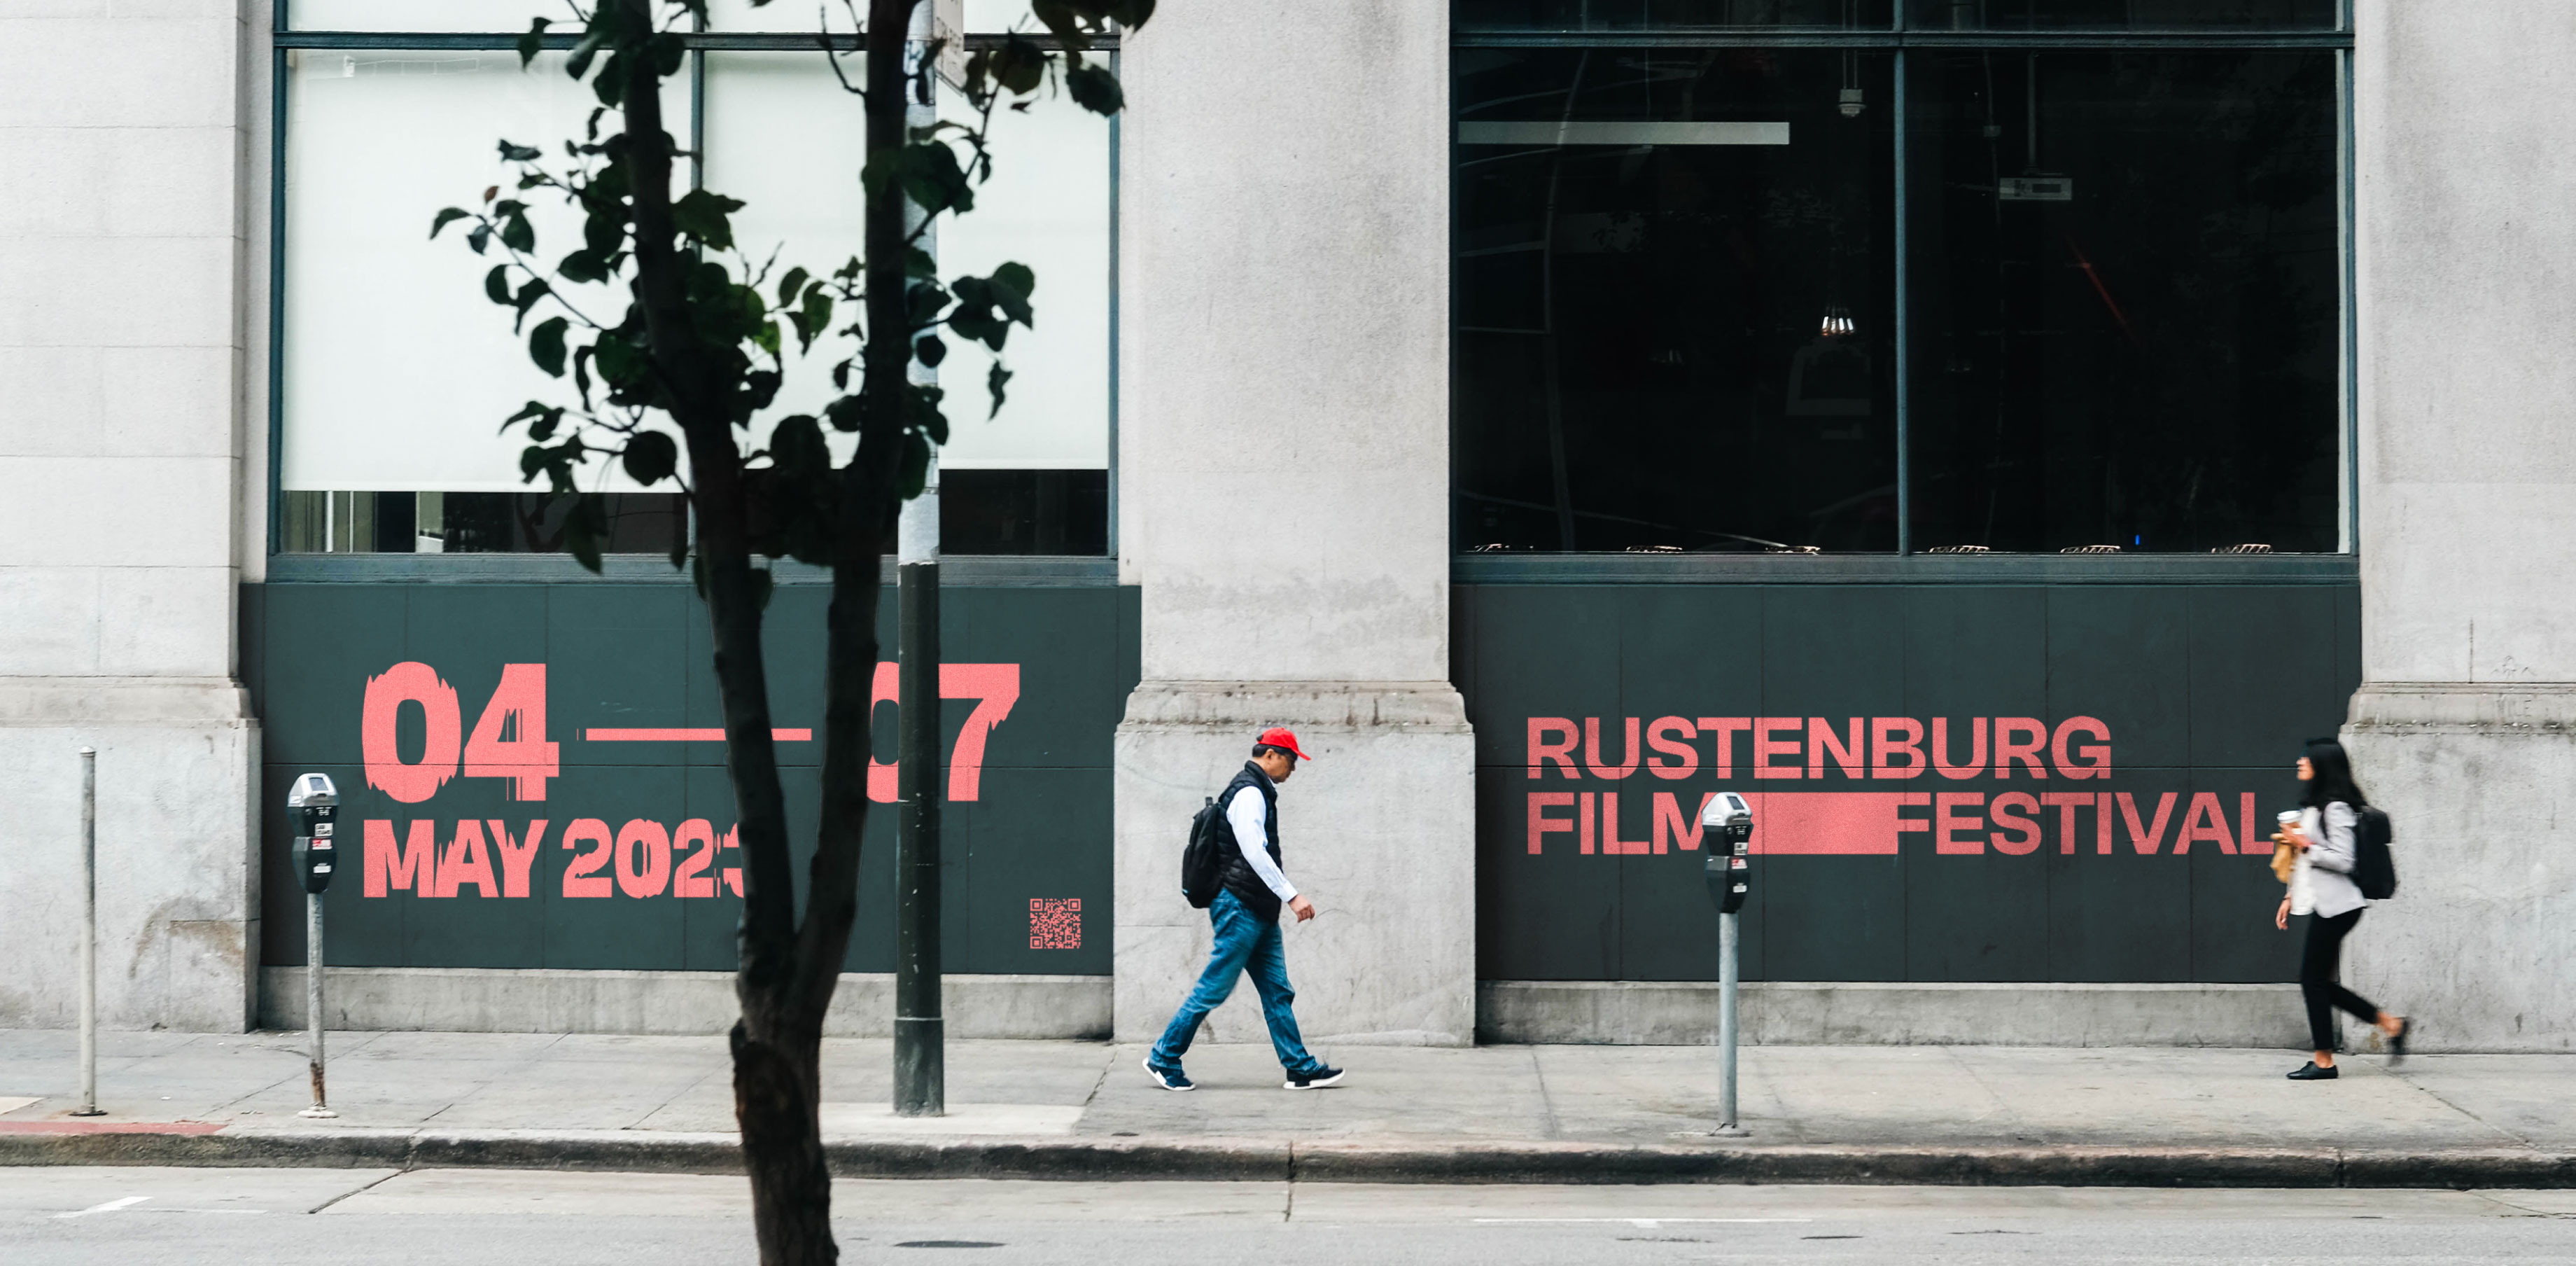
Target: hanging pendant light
[(1838, 322)]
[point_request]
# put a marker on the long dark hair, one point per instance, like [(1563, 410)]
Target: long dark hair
[(2330, 776)]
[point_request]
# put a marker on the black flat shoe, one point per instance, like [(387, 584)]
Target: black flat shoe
[(2397, 1041), (2310, 1072)]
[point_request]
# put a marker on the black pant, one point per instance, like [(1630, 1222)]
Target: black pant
[(2317, 983)]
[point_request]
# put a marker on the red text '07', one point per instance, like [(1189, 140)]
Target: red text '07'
[(483, 858), (1817, 747)]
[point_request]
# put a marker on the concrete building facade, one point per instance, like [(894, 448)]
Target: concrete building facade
[(1487, 444)]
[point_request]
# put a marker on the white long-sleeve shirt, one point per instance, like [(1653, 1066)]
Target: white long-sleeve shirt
[(2322, 881), (1249, 815)]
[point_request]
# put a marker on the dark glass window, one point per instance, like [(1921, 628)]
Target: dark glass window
[(1613, 15), (2048, 15), (1674, 300), (2126, 295)]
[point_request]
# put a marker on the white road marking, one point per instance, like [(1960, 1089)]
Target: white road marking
[(126, 1202)]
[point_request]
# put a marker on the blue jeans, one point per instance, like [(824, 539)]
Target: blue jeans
[(1243, 944)]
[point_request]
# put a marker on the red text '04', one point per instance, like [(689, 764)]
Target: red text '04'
[(1818, 747)]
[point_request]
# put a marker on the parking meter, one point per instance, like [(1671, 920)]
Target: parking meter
[(1726, 831), (1727, 825), (316, 805)]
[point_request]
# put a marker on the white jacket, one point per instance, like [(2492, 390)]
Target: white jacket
[(2322, 882)]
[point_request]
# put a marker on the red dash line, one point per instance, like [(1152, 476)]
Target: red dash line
[(686, 736)]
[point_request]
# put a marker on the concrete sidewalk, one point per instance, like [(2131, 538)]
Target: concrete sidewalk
[(1553, 1113)]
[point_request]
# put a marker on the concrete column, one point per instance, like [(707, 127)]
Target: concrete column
[(2462, 728), (121, 362), (1284, 482)]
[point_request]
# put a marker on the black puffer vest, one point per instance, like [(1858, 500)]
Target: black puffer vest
[(1239, 877)]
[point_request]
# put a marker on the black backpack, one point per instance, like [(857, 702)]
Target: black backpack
[(1203, 859), (2374, 870)]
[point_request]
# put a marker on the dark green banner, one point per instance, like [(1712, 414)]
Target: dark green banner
[(531, 775), (2061, 783)]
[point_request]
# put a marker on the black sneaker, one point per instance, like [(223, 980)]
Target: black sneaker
[(2310, 1072), (1316, 1078), (1168, 1078)]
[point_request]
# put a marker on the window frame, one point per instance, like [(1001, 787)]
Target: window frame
[(1908, 564), (284, 40)]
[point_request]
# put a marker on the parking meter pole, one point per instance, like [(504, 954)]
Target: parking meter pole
[(313, 1002), (1726, 981), (89, 937)]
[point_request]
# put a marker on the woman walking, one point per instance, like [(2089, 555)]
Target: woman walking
[(2321, 887)]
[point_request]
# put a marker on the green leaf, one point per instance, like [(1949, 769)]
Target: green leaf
[(930, 351), (496, 284), (585, 528), (1019, 65), (651, 457), (445, 218), (918, 264), (1013, 283), (534, 41), (528, 296), (621, 362), (546, 345), (812, 319), (789, 285), (479, 238), (706, 217), (583, 266), (541, 419), (1064, 19), (515, 153), (797, 449), (994, 382), (516, 234), (1094, 88), (578, 65)]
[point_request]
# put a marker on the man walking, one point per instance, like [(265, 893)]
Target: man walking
[(1245, 914)]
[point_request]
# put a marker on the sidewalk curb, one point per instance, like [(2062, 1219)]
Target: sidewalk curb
[(1278, 1160)]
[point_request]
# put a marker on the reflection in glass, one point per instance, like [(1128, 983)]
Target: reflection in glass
[(1673, 300), (1615, 15), (2126, 297), (2145, 15)]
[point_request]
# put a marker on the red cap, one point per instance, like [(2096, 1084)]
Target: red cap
[(1279, 737)]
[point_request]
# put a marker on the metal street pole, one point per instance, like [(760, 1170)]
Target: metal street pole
[(313, 1002), (920, 1056), (89, 937), (1726, 979)]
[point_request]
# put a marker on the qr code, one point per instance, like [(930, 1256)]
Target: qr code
[(1055, 924)]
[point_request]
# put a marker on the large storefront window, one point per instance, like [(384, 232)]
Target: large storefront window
[(397, 371), (1673, 274), (1680, 309)]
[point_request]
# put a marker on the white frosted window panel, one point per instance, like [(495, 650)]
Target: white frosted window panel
[(1047, 206), (398, 369), (426, 15), (801, 15), (784, 137)]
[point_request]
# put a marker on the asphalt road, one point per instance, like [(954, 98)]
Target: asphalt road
[(240, 1217)]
